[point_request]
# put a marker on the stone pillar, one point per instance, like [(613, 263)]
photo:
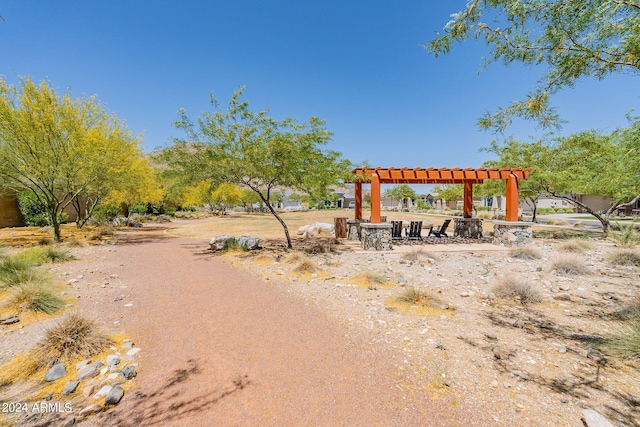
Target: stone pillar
[(353, 229), (508, 233), (468, 228), (375, 237)]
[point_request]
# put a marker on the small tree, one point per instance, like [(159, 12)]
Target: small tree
[(225, 196), (250, 149), (401, 193)]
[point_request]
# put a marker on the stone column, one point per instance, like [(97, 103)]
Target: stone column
[(376, 237), (509, 233)]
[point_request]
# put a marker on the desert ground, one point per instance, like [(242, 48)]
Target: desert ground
[(328, 334)]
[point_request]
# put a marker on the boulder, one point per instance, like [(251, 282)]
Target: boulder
[(114, 396), (324, 226), (302, 229), (126, 222), (57, 371), (217, 243), (248, 242), (312, 231)]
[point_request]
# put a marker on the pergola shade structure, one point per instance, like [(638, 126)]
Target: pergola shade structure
[(466, 177)]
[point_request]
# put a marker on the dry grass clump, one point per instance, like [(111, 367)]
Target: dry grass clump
[(35, 297), (100, 232), (525, 252), (626, 343), (569, 265), (624, 257), (306, 266), (75, 336), (370, 280), (295, 258), (414, 296), (575, 246), (419, 255), (511, 288)]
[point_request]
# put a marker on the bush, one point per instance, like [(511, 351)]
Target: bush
[(74, 336), (511, 288), (624, 257), (138, 209), (35, 213), (628, 237), (14, 270), (524, 252), (568, 265), (105, 213), (33, 296), (415, 296), (575, 246), (626, 343)]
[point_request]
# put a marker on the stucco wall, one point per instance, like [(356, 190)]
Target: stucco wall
[(10, 212)]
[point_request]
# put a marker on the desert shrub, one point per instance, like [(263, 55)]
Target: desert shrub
[(73, 337), (306, 266), (569, 265), (34, 296), (105, 213), (233, 246), (414, 296), (512, 288), (418, 255), (34, 212), (575, 246), (377, 278), (15, 270), (626, 343), (627, 237), (525, 252), (624, 257), (101, 231), (40, 255), (139, 209)]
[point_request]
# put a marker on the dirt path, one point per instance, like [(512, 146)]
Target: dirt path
[(220, 346)]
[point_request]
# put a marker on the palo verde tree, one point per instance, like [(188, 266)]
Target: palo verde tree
[(251, 149), (59, 148), (583, 163), (570, 39)]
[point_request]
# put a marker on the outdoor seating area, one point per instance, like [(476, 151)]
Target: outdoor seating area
[(425, 233)]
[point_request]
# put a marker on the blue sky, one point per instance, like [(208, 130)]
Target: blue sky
[(357, 64)]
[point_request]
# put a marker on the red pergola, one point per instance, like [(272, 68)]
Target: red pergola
[(466, 177)]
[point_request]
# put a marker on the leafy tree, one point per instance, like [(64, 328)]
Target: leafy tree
[(59, 148), (143, 185), (224, 196), (583, 163), (251, 149), (572, 39), (401, 193), (449, 192)]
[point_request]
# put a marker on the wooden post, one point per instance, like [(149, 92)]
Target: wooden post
[(340, 228), (467, 200), (375, 199), (512, 198), (358, 200)]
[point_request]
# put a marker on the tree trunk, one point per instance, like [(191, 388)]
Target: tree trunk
[(604, 219), (274, 213)]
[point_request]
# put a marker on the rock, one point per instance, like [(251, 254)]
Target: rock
[(87, 372), (519, 373), (124, 221), (90, 388), (560, 347), (9, 320), (90, 410), (596, 356), (249, 243), (114, 396), (56, 372), (302, 229), (102, 392), (133, 351), (594, 419), (47, 396), (83, 364), (113, 360), (218, 243), (497, 352), (311, 232), (70, 388), (562, 297), (494, 383), (491, 336), (129, 372), (68, 422), (518, 324), (323, 226)]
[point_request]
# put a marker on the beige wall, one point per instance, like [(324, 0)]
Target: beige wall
[(10, 212)]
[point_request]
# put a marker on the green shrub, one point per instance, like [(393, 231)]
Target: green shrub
[(627, 237), (34, 212), (33, 296), (138, 209), (105, 213), (626, 343)]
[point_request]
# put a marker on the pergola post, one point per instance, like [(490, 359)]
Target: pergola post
[(467, 199), (512, 198), (358, 200), (375, 199)]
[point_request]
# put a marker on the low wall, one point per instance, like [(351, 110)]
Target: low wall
[(506, 233), (375, 237), (468, 228)]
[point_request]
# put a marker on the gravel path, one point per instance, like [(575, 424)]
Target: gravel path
[(222, 346)]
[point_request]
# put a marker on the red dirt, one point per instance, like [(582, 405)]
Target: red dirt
[(220, 346)]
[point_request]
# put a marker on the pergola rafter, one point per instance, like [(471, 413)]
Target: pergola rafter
[(467, 177)]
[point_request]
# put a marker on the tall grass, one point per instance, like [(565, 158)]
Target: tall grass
[(512, 288), (626, 343), (627, 237), (35, 297)]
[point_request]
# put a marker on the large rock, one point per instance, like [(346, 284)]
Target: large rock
[(126, 222), (217, 243), (88, 372), (248, 242), (302, 229), (56, 372), (114, 396), (311, 231), (323, 226)]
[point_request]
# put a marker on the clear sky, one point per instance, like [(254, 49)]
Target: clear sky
[(358, 64)]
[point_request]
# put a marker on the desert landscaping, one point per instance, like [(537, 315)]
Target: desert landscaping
[(519, 336)]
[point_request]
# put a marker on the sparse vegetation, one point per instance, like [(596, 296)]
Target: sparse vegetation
[(575, 246), (524, 252), (626, 343), (415, 296), (512, 288), (419, 255), (627, 237), (569, 265), (15, 270), (306, 266), (624, 257), (101, 231), (74, 336), (35, 297)]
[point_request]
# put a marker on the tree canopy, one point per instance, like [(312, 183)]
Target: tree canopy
[(61, 149), (571, 39), (251, 149), (401, 193)]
